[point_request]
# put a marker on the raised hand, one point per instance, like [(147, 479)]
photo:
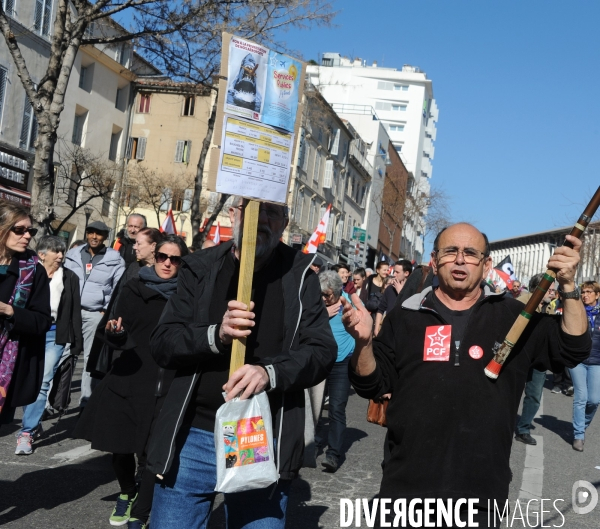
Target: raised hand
[(357, 321)]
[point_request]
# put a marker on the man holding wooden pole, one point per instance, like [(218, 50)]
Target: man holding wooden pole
[(450, 426), (285, 343)]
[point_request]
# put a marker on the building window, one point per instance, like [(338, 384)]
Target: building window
[(396, 128), (136, 148), (114, 146), (9, 7), (120, 99), (399, 108), (106, 203), (182, 151), (401, 87), (29, 127), (382, 85), (3, 79), (316, 168), (78, 125), (398, 147), (188, 105), (43, 12), (122, 54), (311, 214), (144, 107), (299, 208), (83, 77)]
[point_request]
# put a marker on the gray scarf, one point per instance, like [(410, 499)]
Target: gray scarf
[(165, 287)]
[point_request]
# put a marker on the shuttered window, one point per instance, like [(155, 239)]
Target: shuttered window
[(328, 178), (336, 143), (42, 14), (141, 149), (3, 78), (182, 151), (144, 107), (9, 7), (29, 126)]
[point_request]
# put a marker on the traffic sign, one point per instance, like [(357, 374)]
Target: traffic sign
[(359, 233)]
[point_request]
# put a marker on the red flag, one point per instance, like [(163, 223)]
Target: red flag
[(168, 225), (320, 234)]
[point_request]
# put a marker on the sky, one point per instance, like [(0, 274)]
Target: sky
[(516, 83)]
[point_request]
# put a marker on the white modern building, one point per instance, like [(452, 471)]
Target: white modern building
[(529, 253), (403, 103)]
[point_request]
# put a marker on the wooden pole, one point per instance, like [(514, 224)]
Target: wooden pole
[(251, 211)]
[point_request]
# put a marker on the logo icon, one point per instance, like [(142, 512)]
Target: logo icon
[(475, 352), (584, 501), (437, 343)]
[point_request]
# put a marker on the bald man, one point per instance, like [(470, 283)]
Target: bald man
[(450, 427)]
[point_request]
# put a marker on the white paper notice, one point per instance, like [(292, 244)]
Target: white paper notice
[(255, 160)]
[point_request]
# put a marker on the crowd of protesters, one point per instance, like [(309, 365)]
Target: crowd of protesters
[(154, 324)]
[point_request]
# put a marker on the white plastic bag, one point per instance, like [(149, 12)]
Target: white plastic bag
[(244, 445)]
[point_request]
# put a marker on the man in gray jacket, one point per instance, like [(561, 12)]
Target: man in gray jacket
[(99, 269)]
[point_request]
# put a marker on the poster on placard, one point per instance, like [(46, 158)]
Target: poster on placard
[(281, 96), (246, 78), (254, 160)]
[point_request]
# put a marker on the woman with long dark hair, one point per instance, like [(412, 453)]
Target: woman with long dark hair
[(24, 312), (119, 414), (65, 306)]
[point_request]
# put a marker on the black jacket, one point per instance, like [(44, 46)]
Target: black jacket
[(450, 427), (30, 325), (68, 319), (124, 245), (119, 413), (180, 341)]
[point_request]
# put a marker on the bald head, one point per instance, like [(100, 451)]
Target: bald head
[(466, 228)]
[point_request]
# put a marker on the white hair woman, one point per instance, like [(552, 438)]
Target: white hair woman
[(65, 307)]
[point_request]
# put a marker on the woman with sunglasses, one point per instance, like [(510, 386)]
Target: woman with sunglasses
[(120, 412), (24, 312)]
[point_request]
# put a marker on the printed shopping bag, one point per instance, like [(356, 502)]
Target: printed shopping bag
[(244, 445)]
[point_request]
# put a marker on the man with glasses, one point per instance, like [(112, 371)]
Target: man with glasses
[(99, 269), (289, 347), (126, 237), (450, 427)]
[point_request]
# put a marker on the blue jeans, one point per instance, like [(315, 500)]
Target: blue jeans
[(184, 498), (339, 387), (32, 413), (531, 402), (586, 383)]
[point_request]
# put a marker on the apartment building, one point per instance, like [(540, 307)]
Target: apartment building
[(168, 125), (403, 101)]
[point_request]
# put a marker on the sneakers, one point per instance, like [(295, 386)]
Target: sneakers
[(24, 444), (578, 445), (525, 438), (134, 523), (330, 464), (120, 514), (556, 389), (569, 392)]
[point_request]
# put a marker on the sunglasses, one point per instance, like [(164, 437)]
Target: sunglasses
[(21, 230), (162, 257)]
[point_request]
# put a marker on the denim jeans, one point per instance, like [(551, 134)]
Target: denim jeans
[(586, 383), (32, 413), (531, 402), (339, 386), (184, 498)]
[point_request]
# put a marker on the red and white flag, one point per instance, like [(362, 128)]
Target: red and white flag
[(320, 234), (168, 225), (217, 235)]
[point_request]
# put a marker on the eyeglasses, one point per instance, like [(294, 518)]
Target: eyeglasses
[(162, 258), (591, 292), (470, 255), (272, 213), (21, 230)]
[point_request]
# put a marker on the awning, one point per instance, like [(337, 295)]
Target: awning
[(15, 195)]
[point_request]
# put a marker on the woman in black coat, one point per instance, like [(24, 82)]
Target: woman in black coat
[(119, 414), (65, 307), (24, 312)]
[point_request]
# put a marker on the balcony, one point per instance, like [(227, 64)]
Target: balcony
[(361, 162)]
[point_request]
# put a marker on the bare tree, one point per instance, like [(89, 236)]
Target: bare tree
[(157, 191), (82, 177), (183, 39)]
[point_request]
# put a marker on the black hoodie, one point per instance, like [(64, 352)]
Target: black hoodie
[(180, 341), (450, 426)]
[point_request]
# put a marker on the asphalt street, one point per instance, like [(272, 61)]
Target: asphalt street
[(64, 484)]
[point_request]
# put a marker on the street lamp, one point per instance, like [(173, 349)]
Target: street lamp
[(88, 212)]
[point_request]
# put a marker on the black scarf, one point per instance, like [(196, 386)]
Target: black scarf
[(165, 287)]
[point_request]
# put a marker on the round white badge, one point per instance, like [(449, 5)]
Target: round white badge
[(476, 352)]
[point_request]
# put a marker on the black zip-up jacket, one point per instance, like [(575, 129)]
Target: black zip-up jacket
[(68, 319), (450, 426), (180, 341)]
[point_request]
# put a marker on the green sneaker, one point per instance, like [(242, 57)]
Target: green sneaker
[(120, 513)]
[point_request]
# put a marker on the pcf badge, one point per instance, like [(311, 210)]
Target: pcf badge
[(475, 352), (437, 343)]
